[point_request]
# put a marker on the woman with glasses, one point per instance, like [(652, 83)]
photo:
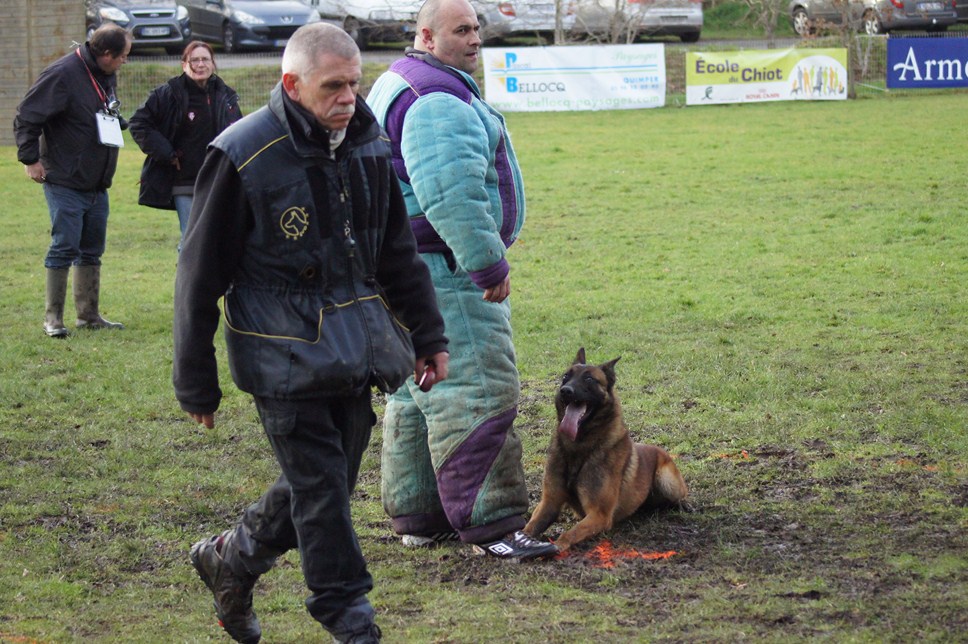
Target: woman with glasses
[(174, 127)]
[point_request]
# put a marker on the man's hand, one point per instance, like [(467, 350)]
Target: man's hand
[(499, 292), (205, 419), (36, 172), (430, 370)]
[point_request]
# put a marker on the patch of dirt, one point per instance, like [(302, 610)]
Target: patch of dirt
[(808, 544)]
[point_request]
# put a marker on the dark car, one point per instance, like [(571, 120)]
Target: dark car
[(961, 8), (872, 16), (152, 23), (248, 24)]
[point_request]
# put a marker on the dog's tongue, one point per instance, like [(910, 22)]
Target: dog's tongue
[(569, 422)]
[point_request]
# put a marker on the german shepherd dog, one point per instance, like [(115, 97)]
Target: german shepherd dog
[(593, 466)]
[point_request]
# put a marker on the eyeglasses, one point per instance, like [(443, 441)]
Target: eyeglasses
[(199, 61)]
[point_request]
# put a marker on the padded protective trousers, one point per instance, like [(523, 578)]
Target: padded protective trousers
[(451, 458)]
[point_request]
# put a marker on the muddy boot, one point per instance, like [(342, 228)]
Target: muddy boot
[(87, 287), (232, 591), (56, 292)]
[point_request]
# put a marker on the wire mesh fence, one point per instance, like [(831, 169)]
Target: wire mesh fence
[(258, 73)]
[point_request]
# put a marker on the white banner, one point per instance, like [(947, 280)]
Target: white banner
[(565, 79)]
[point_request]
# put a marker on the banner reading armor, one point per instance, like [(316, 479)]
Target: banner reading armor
[(768, 75), (559, 79)]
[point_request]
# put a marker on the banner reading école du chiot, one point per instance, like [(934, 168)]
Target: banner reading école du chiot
[(766, 75), (558, 79)]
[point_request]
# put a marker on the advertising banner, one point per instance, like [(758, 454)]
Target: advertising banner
[(559, 79), (766, 75), (927, 62)]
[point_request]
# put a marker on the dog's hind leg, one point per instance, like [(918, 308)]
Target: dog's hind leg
[(668, 486)]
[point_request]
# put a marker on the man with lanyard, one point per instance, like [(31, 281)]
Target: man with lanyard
[(68, 130)]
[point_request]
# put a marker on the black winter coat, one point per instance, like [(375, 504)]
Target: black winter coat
[(61, 105), (155, 123), (307, 249)]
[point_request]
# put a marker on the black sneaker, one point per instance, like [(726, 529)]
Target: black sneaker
[(517, 546), (429, 540), (233, 593)]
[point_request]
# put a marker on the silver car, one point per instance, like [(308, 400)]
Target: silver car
[(871, 16), (626, 20), (538, 16), (151, 23), (500, 18), (371, 20)]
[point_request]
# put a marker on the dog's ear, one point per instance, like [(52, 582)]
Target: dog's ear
[(609, 370), (580, 356)]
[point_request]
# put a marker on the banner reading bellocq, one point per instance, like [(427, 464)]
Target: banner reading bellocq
[(560, 79), (766, 75)]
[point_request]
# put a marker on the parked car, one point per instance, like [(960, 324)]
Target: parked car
[(371, 20), (522, 17), (626, 20), (497, 18), (872, 16), (248, 24), (961, 8), (395, 20), (152, 23)]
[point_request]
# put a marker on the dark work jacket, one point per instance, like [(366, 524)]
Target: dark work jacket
[(323, 288), (155, 123), (55, 123)]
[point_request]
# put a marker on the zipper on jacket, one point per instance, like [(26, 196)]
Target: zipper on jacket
[(349, 243)]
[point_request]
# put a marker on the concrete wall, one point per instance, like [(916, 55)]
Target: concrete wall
[(35, 33)]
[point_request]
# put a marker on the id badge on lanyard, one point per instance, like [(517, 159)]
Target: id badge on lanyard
[(109, 130), (108, 124)]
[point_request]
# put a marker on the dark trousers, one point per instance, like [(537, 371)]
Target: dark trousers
[(319, 445)]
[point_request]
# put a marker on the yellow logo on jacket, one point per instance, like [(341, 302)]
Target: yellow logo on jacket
[(294, 222)]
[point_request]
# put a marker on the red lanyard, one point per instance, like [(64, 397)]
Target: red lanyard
[(97, 86)]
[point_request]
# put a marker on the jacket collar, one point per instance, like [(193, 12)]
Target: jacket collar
[(436, 63), (91, 63), (309, 137)]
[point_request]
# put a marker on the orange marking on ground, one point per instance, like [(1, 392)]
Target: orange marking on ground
[(604, 555)]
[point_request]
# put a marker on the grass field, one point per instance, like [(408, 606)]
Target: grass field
[(787, 287)]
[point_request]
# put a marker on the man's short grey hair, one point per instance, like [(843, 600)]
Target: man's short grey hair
[(311, 42)]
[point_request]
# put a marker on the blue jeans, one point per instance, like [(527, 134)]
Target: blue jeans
[(183, 206), (78, 226)]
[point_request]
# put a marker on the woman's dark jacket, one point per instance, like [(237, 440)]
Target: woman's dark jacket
[(314, 255), (155, 124)]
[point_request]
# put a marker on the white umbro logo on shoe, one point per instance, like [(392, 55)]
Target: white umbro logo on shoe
[(519, 547), (501, 549)]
